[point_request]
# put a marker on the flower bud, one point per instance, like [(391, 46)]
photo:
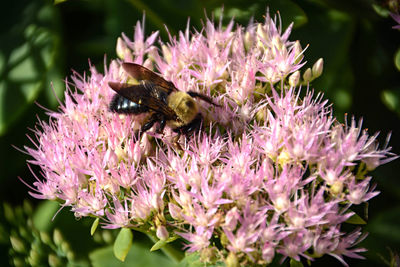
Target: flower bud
[(307, 76), (208, 255), (261, 35), (268, 252), (29, 223), (25, 232), (122, 49), (117, 155), (248, 40), (261, 115), (34, 257), (371, 163), (65, 247), (27, 207), (231, 260), (318, 68), (294, 79), (97, 237), (166, 53), (107, 236), (284, 158), (175, 211), (57, 237), (281, 203), (18, 262), (337, 188), (231, 219), (278, 44), (298, 52), (162, 233), (148, 63), (8, 212), (321, 246), (70, 256), (17, 244), (54, 261), (224, 239), (37, 246), (356, 196), (114, 71), (146, 146)]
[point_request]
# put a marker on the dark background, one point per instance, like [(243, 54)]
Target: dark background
[(42, 43)]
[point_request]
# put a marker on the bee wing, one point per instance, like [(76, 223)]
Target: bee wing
[(141, 73), (141, 94)]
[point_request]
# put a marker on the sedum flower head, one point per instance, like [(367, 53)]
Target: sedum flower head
[(271, 173)]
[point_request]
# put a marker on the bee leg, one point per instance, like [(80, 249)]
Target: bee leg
[(161, 126), (188, 129), (194, 127), (176, 142), (153, 119)]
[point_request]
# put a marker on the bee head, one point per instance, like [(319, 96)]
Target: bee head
[(184, 106)]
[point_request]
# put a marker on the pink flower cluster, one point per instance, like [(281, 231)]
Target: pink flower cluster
[(272, 173)]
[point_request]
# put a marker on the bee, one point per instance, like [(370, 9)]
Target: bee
[(160, 98)]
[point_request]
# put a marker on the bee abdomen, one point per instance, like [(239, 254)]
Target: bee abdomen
[(120, 104)]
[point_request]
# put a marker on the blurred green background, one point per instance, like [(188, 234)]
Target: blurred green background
[(41, 44)]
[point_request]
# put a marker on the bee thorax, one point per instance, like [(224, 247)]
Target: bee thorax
[(184, 106)]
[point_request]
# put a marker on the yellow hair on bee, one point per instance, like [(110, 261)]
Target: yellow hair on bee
[(184, 106)]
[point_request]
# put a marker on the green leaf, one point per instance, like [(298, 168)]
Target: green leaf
[(397, 59), (384, 231), (27, 52), (159, 244), (290, 11), (42, 218), (242, 11), (151, 15), (294, 263), (356, 219), (56, 2), (381, 11), (138, 256), (94, 226), (123, 243), (191, 260), (386, 226), (391, 98), (9, 213)]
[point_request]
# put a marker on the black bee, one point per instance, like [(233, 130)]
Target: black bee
[(164, 102)]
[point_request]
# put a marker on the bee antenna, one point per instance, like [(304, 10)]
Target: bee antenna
[(202, 97)]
